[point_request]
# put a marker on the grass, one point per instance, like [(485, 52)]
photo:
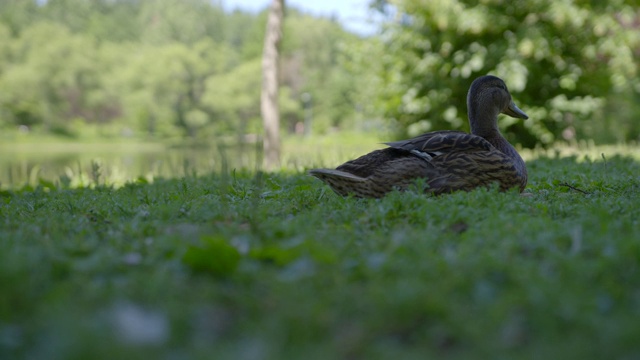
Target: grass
[(236, 265)]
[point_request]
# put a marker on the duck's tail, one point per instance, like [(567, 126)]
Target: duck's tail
[(344, 183)]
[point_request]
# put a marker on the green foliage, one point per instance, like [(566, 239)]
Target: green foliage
[(53, 76), (17, 14), (235, 95), (164, 21), (161, 68), (563, 61), (233, 263), (214, 256)]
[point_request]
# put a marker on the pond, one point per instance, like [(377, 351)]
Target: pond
[(82, 164), (114, 164)]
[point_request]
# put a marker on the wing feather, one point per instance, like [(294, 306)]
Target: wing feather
[(440, 142)]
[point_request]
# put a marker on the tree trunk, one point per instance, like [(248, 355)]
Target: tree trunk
[(269, 97)]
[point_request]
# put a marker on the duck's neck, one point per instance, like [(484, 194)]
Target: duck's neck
[(483, 120), (496, 139)]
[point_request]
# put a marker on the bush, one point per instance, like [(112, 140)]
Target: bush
[(562, 60)]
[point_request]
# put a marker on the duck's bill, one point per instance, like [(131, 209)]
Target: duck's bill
[(514, 111)]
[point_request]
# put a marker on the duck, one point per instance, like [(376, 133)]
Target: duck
[(446, 160)]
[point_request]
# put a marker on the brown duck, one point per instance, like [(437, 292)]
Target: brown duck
[(446, 160)]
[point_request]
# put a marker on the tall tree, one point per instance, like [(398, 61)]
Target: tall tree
[(269, 96), (561, 59)]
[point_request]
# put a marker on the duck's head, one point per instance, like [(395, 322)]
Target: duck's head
[(491, 90), (488, 96)]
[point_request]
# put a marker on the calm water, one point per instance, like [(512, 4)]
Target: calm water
[(114, 164), (117, 163)]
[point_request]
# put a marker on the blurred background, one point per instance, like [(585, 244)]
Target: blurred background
[(124, 89)]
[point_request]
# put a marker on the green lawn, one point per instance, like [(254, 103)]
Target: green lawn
[(273, 266)]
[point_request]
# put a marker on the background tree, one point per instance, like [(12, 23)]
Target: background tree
[(190, 69), (160, 69), (562, 60), (54, 78), (313, 63), (269, 96)]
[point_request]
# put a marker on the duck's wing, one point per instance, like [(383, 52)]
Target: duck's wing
[(377, 173), (367, 164), (442, 142), (463, 161), (425, 146)]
